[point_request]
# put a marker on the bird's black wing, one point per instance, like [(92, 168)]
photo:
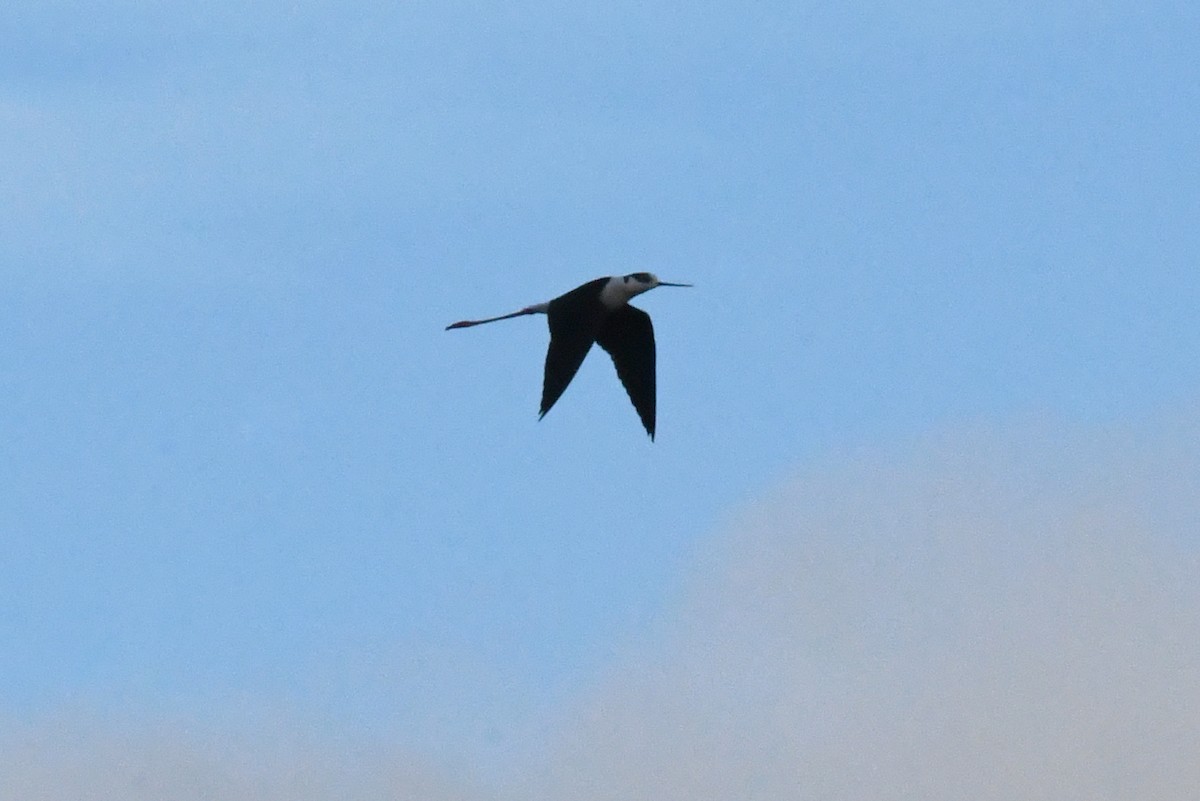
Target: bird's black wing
[(628, 336), (574, 319)]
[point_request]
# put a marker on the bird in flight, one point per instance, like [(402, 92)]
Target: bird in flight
[(598, 311)]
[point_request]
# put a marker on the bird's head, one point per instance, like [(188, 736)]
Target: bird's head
[(621, 288), (641, 282)]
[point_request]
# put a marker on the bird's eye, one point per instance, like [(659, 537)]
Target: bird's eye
[(625, 279)]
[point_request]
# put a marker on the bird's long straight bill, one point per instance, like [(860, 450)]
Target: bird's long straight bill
[(668, 283)]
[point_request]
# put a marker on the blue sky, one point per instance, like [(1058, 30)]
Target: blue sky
[(244, 466)]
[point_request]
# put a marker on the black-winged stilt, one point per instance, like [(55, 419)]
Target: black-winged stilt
[(598, 311)]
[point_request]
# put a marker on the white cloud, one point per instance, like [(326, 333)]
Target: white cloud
[(983, 616), (74, 756)]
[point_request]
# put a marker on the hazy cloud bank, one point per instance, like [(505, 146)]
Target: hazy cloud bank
[(991, 617), (980, 616), (81, 757)]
